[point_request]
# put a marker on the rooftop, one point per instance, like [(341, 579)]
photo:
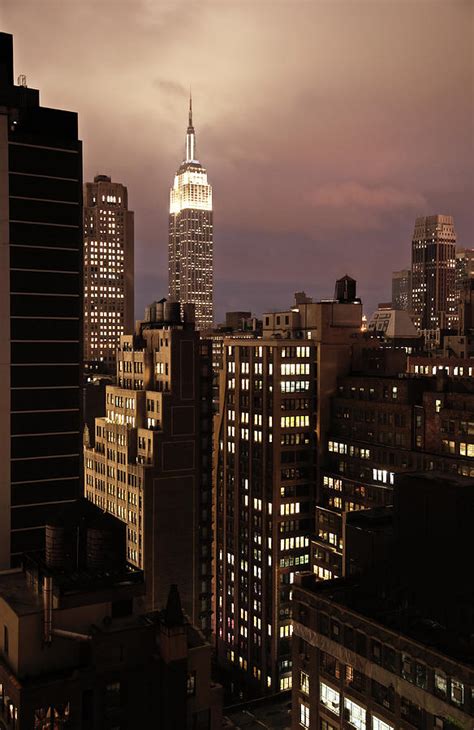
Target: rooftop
[(18, 594), (377, 518), (379, 597), (270, 712)]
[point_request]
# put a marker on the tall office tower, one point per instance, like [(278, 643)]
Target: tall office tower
[(265, 503), (433, 272), (190, 246), (108, 271), (401, 289), (150, 464), (272, 411), (40, 311)]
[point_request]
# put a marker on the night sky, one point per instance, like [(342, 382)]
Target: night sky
[(325, 127)]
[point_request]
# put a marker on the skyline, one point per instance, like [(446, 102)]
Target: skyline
[(292, 171), (191, 521)]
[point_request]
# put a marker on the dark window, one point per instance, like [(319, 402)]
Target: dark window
[(348, 637), (330, 665), (420, 675), (407, 668), (411, 713), (112, 696), (389, 658), (323, 624), (377, 652), (326, 726), (384, 696), (361, 644)]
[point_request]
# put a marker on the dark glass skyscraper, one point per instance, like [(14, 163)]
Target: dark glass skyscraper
[(401, 289), (190, 247), (40, 311), (433, 272)]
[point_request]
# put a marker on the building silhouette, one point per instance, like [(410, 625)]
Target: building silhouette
[(464, 267), (401, 289), (108, 271), (41, 306), (78, 649), (434, 273), (389, 646), (190, 245), (149, 460)]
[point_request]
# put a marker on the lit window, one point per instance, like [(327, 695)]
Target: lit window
[(378, 724), (330, 698), (304, 715), (304, 682), (457, 692), (354, 714)]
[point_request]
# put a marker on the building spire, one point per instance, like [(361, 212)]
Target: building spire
[(190, 108), (190, 134)]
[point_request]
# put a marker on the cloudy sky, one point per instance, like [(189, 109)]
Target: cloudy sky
[(326, 127)]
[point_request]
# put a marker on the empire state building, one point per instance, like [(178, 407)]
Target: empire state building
[(190, 246)]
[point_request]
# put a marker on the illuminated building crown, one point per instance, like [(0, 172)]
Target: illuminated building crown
[(190, 188)]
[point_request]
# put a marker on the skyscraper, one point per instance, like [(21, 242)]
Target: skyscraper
[(401, 289), (433, 272), (40, 311), (108, 270), (190, 247), (274, 410)]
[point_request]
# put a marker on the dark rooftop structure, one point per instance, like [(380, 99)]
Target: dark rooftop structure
[(77, 644)]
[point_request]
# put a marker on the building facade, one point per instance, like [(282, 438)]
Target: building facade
[(388, 647), (395, 328), (108, 271), (434, 272), (382, 426), (238, 325), (41, 307), (401, 289), (371, 438), (149, 461), (190, 243), (265, 498), (352, 668), (273, 410), (464, 267)]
